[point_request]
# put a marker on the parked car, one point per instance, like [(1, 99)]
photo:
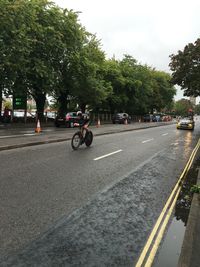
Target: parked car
[(185, 123), (18, 114), (50, 115), (152, 118), (148, 117), (121, 118), (156, 118), (68, 120)]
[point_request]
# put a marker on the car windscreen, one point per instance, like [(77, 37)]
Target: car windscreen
[(72, 114)]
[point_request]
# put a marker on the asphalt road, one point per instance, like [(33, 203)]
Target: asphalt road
[(91, 207)]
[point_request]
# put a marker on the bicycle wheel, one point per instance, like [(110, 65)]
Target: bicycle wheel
[(76, 140), (88, 138)]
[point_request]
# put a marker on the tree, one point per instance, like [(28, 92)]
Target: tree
[(143, 90), (137, 88), (182, 107), (128, 67), (10, 49), (113, 75), (73, 36), (185, 66), (163, 90), (197, 109), (55, 34), (89, 87), (131, 85), (37, 40)]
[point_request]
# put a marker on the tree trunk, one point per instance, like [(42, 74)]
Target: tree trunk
[(82, 107), (40, 99), (1, 100), (62, 100)]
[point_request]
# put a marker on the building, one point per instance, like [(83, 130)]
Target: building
[(193, 100)]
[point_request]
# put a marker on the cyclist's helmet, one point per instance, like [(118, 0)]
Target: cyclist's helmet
[(79, 113)]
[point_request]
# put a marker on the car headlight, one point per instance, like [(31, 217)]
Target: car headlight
[(190, 125)]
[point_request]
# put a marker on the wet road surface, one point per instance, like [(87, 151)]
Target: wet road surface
[(96, 206)]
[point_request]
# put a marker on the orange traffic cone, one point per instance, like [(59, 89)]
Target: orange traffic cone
[(38, 128), (98, 123)]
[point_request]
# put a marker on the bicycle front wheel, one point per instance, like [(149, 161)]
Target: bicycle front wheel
[(76, 140)]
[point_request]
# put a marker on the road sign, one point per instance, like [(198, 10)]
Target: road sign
[(19, 102)]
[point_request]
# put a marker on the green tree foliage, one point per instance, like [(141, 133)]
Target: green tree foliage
[(128, 70), (57, 36), (7, 104), (197, 109), (182, 107), (130, 83), (186, 69), (143, 90), (11, 39), (137, 89), (45, 50), (37, 40), (113, 75), (73, 36), (90, 87), (163, 90)]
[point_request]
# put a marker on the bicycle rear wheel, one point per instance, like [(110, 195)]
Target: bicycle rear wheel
[(76, 140), (88, 138)]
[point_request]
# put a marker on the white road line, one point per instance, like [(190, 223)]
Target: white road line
[(8, 136), (30, 134), (164, 134), (174, 144), (31, 131), (107, 155), (147, 141), (16, 135)]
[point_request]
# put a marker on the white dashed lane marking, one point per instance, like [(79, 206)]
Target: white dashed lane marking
[(148, 140), (107, 155)]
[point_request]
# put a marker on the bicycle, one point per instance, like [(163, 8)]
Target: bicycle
[(84, 135)]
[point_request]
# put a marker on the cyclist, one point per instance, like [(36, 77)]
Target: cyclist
[(83, 121), (84, 135)]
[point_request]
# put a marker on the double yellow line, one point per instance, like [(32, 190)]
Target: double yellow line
[(147, 256)]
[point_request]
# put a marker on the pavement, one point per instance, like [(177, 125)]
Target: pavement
[(20, 135)]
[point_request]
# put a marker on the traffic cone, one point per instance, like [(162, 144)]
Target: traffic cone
[(38, 128), (125, 122), (98, 123)]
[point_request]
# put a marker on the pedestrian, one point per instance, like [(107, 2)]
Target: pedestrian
[(6, 115)]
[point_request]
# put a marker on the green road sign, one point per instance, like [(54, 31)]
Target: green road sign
[(19, 102)]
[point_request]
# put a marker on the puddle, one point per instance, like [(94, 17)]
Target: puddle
[(171, 247)]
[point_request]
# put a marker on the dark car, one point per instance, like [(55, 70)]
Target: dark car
[(152, 118), (148, 118), (157, 118), (68, 120), (185, 123), (121, 118)]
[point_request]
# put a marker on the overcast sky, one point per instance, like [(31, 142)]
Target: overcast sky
[(147, 30)]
